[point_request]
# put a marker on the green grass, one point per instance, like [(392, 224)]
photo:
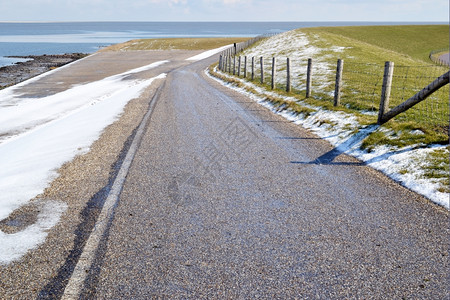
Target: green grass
[(413, 41), (366, 50), (439, 169), (174, 44), (402, 134)]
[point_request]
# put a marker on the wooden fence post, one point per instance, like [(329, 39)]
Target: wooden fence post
[(239, 67), (288, 75), (253, 68), (229, 64), (225, 63), (245, 66), (261, 60), (273, 72), (417, 98), (385, 89), (308, 78), (338, 84)]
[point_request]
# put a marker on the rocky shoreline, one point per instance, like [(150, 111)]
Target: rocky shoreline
[(37, 64)]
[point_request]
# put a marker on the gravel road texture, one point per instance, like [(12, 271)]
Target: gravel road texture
[(225, 200)]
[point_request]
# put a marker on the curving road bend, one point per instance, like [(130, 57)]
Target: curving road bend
[(222, 200), (225, 200)]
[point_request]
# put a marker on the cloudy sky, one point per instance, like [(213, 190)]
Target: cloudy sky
[(225, 10)]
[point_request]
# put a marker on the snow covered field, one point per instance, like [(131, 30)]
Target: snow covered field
[(389, 160)]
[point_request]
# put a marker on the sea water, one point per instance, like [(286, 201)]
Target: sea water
[(24, 39)]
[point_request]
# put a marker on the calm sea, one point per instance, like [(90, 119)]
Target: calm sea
[(87, 37)]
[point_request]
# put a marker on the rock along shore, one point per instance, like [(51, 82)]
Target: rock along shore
[(38, 64)]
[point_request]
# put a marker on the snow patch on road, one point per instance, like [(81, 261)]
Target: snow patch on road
[(208, 53)]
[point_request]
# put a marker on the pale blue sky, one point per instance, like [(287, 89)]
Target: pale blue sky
[(225, 10)]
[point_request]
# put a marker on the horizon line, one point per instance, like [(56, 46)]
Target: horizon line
[(329, 21)]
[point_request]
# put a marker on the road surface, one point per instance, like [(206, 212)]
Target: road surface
[(225, 200), (445, 58)]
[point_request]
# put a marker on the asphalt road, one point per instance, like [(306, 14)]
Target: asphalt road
[(225, 200)]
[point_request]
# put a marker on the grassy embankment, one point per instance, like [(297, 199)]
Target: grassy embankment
[(174, 44), (364, 50), (405, 46)]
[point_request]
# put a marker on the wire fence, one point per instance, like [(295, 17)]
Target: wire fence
[(360, 87), (409, 80)]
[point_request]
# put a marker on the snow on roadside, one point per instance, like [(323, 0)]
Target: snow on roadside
[(14, 246), (19, 115), (338, 127), (208, 53), (29, 161), (43, 134)]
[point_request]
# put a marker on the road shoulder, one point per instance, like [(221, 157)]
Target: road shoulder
[(82, 185)]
